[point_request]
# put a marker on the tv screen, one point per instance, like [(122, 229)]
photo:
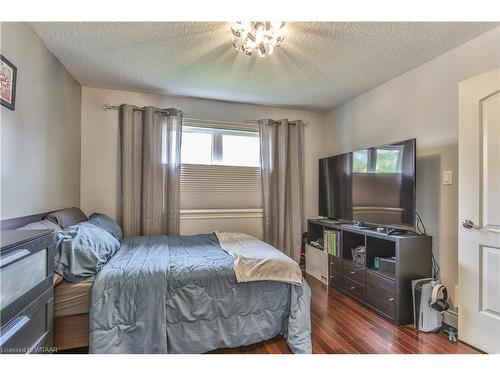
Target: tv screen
[(375, 185)]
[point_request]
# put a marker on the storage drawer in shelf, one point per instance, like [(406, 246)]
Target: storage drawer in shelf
[(380, 294), (26, 261), (335, 280), (30, 327), (353, 272), (353, 288), (20, 272), (335, 263)]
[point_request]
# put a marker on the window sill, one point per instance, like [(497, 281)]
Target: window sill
[(223, 213)]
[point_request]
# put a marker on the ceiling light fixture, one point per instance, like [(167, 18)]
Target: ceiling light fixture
[(260, 37)]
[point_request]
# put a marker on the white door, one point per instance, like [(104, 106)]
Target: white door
[(479, 212)]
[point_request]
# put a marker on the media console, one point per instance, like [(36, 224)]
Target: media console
[(386, 292)]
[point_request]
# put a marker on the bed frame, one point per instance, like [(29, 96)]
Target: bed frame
[(70, 331)]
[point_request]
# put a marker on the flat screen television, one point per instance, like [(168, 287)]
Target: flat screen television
[(374, 186)]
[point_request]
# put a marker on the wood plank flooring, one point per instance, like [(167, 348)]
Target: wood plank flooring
[(341, 325), (359, 331)]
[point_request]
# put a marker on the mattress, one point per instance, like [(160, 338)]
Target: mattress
[(71, 298)]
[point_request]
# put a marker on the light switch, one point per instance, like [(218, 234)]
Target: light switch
[(447, 177)]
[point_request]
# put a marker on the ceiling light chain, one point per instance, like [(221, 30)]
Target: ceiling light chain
[(259, 37)]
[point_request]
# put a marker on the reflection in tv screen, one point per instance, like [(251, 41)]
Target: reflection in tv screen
[(374, 185)]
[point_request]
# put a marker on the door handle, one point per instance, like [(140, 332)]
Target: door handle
[(469, 224)]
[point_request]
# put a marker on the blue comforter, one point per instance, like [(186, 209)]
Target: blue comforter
[(179, 294)]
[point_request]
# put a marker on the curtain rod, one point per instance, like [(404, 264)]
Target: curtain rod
[(108, 107)]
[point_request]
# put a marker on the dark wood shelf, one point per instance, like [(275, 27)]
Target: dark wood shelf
[(388, 275), (335, 256), (387, 293), (349, 261)]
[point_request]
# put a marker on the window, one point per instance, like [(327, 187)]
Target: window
[(220, 147), (360, 161), (241, 150), (196, 147), (220, 170), (388, 161)]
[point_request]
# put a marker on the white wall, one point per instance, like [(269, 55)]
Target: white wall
[(40, 140), (100, 136), (422, 104)]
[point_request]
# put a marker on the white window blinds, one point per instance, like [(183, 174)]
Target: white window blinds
[(220, 187)]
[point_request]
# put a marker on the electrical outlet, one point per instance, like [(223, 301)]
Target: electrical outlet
[(447, 177)]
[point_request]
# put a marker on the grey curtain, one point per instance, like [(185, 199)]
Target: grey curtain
[(150, 170), (281, 148)]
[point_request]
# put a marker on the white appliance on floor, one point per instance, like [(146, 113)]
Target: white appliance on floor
[(425, 318), (317, 263)]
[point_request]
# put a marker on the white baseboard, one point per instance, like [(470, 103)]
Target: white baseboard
[(450, 317)]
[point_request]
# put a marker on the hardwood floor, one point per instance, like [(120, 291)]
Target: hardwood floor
[(341, 325)]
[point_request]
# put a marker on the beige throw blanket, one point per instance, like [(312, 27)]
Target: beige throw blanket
[(255, 260)]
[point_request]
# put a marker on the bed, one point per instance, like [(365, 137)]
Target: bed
[(71, 313), (181, 294)]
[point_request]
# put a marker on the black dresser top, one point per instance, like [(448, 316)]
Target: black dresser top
[(14, 238)]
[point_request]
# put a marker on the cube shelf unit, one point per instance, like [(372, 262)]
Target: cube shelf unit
[(387, 293)]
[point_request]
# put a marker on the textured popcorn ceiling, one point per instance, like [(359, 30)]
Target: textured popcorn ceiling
[(318, 66)]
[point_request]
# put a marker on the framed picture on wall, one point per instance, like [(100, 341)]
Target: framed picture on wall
[(8, 78)]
